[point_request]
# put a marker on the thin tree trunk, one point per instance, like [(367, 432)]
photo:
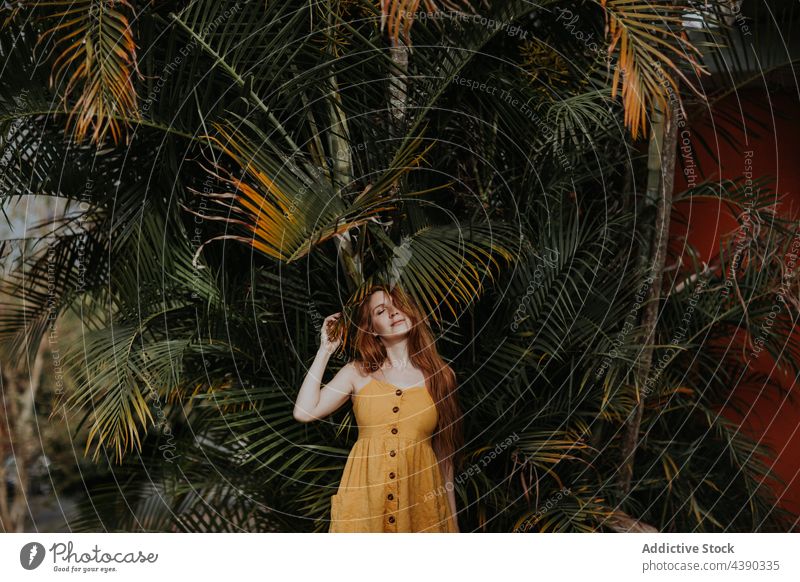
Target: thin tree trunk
[(9, 388), (398, 93), (339, 145), (398, 104), (20, 387), (398, 88), (661, 163)]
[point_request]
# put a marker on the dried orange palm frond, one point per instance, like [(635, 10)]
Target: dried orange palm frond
[(643, 34), (97, 52), (399, 15), (285, 210)]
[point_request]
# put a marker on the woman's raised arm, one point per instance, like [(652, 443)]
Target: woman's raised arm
[(313, 403)]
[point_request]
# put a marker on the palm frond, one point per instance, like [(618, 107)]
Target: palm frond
[(96, 57), (288, 209), (397, 16), (448, 266), (649, 39)]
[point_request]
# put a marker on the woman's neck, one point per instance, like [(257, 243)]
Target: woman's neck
[(397, 357)]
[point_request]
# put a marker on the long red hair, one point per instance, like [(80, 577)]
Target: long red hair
[(448, 438)]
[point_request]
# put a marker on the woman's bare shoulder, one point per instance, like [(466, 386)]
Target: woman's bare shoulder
[(356, 372), (358, 375), (349, 371)]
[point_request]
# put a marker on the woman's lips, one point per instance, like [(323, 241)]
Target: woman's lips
[(398, 321)]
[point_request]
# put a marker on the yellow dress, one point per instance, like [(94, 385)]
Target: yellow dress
[(392, 481)]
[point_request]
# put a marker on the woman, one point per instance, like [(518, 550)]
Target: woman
[(399, 474)]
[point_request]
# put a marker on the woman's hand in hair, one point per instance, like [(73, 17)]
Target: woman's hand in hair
[(328, 342)]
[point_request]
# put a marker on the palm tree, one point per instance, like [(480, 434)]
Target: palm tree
[(283, 156), (743, 48)]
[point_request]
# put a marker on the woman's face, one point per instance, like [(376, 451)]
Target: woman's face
[(386, 319)]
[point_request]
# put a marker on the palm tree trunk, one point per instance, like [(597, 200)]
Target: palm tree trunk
[(20, 387), (661, 171), (398, 103), (339, 145), (398, 88)]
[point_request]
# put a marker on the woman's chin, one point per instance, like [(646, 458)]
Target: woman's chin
[(397, 331)]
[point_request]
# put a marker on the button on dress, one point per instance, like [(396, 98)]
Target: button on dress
[(392, 481)]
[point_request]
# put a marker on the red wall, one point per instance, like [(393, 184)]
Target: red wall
[(775, 142)]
